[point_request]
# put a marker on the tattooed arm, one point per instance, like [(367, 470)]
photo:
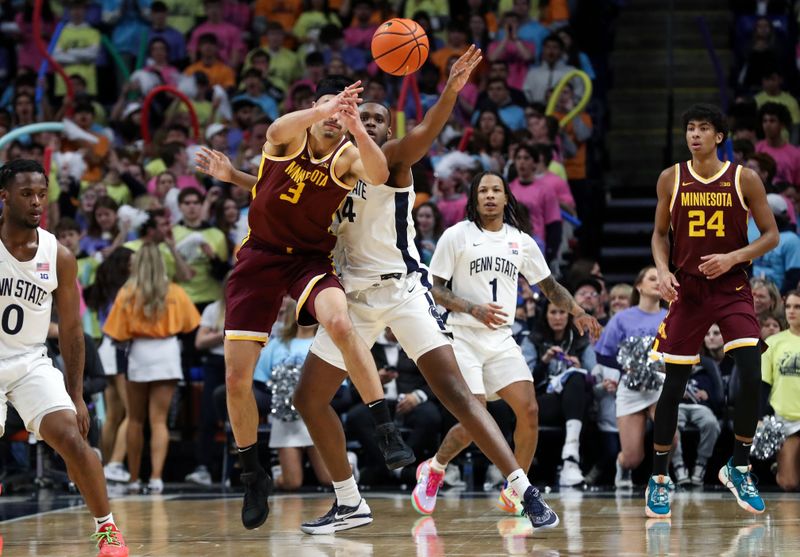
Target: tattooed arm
[(562, 299), (490, 314)]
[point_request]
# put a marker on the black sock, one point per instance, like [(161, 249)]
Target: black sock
[(660, 463), (248, 456), (379, 411), (741, 453)]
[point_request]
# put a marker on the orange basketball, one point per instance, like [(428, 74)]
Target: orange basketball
[(400, 46)]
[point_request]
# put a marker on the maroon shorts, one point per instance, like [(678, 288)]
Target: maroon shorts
[(726, 301), (259, 281)]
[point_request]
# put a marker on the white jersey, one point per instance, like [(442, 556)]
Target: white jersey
[(485, 266), (26, 297), (376, 234)]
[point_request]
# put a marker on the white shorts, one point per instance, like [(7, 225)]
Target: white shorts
[(284, 435), (489, 359), (631, 402), (154, 359), (404, 305), (34, 386), (108, 356)]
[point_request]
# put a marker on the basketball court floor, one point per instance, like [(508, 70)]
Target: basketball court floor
[(592, 523)]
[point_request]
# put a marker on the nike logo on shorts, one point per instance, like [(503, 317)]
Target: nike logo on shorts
[(739, 287)]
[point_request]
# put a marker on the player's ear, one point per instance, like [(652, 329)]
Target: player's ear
[(388, 133)]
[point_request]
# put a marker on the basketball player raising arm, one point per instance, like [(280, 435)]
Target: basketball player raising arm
[(368, 162), (706, 203), (309, 165)]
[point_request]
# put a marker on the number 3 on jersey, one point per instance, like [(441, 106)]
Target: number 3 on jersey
[(698, 224), (346, 211)]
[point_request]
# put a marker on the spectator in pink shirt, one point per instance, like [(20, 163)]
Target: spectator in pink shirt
[(774, 119), (518, 54), (177, 162), (229, 37), (540, 200), (360, 32), (543, 156)]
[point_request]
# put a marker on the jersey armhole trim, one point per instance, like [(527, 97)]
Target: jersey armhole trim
[(738, 185), (334, 160), (675, 186), (287, 157)]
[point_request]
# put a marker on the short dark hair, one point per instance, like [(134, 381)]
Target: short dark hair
[(497, 80), (66, 224), (188, 192), (744, 146), (765, 163), (315, 59), (379, 103), (158, 6), (170, 151), (707, 113), (553, 38), (331, 85), (151, 223), (209, 38), (779, 111), (84, 107), (9, 171), (176, 127)]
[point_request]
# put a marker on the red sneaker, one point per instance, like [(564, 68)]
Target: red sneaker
[(110, 542)]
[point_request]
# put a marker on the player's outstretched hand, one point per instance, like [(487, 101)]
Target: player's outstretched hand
[(463, 67), (716, 265), (215, 164), (350, 117), (668, 286), (349, 96), (587, 323), (491, 314)]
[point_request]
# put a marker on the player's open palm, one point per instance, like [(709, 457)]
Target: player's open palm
[(349, 96), (491, 315), (463, 67), (215, 164)]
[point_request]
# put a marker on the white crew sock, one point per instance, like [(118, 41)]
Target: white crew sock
[(437, 466), (519, 482), (572, 440), (98, 522), (347, 493)]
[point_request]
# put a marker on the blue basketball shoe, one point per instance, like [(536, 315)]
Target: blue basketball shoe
[(742, 486)]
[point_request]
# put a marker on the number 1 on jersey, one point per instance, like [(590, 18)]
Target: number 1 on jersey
[(493, 282)]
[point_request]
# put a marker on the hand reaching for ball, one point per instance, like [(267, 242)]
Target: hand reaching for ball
[(348, 97), (463, 67)]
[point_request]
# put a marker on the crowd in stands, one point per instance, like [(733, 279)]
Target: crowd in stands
[(147, 228)]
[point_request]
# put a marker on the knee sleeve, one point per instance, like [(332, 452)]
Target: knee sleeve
[(748, 363), (667, 408)]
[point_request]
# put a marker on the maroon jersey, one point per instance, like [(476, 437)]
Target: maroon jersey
[(295, 199), (707, 216)]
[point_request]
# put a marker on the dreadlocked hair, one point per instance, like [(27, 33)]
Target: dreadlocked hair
[(509, 212)]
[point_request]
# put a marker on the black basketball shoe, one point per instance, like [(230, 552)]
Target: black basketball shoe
[(255, 508), (395, 451)]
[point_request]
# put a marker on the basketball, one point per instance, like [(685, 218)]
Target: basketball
[(400, 46)]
